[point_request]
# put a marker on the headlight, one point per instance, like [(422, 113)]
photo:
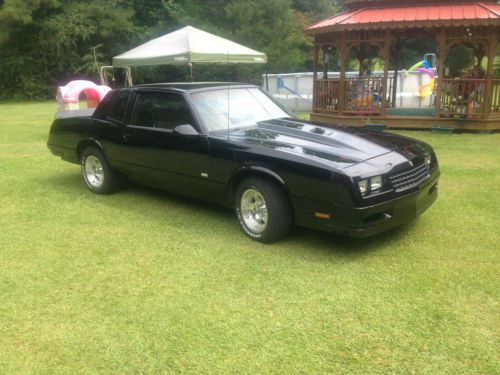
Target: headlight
[(428, 159), (370, 185), (375, 183), (363, 186)]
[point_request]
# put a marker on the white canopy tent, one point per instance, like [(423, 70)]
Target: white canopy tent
[(189, 46)]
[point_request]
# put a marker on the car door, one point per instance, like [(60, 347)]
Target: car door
[(158, 155), (107, 123)]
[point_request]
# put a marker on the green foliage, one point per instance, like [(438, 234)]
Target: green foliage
[(274, 28), (316, 10), (52, 41), (45, 43), (460, 59), (412, 50), (15, 13)]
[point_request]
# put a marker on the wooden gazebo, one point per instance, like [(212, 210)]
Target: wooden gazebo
[(469, 102)]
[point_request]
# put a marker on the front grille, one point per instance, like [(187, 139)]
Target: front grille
[(410, 178)]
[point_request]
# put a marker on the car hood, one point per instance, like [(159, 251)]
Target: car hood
[(341, 145)]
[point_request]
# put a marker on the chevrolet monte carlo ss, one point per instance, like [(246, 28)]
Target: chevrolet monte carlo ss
[(234, 145)]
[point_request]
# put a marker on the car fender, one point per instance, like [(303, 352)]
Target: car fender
[(252, 170), (86, 142)]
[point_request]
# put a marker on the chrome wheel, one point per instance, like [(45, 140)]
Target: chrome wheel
[(94, 173), (254, 210)]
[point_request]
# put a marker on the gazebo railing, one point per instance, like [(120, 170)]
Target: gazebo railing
[(463, 97), (362, 95), (460, 97), (326, 95)]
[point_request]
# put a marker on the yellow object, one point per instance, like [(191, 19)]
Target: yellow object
[(321, 215)]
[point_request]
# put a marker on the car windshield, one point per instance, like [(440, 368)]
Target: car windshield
[(229, 109)]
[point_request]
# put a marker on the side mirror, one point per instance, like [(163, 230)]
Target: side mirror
[(186, 129)]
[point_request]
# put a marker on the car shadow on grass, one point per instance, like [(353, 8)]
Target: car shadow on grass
[(73, 184), (300, 238), (63, 182), (326, 242)]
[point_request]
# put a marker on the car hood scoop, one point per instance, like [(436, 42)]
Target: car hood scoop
[(338, 144)]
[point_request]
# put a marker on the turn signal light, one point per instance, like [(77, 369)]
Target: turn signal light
[(321, 215)]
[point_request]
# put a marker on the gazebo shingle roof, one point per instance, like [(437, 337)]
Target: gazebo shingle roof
[(411, 16)]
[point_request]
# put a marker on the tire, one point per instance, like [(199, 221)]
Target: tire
[(263, 210), (97, 173)]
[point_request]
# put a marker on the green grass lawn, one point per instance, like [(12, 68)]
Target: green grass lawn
[(148, 282)]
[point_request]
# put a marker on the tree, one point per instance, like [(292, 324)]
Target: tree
[(273, 27), (44, 43), (54, 40), (318, 9)]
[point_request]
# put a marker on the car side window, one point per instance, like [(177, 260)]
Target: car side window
[(163, 110), (103, 108), (119, 106)]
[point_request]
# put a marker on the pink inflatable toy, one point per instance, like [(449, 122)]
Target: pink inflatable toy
[(69, 96)]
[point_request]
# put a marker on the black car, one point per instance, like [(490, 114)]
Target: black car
[(234, 145)]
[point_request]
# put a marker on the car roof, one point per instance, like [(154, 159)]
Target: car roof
[(191, 86)]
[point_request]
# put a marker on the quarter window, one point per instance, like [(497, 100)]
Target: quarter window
[(119, 106), (162, 110)]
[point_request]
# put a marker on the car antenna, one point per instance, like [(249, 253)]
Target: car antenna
[(228, 99)]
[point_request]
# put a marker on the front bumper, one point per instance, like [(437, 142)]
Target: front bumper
[(382, 217), (367, 221)]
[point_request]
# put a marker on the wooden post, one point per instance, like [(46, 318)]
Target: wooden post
[(326, 60), (315, 61), (362, 55), (343, 52), (385, 57), (488, 92), (443, 50), (397, 58), (315, 76)]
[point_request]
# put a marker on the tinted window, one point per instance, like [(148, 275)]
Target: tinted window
[(161, 110), (104, 106), (119, 106)]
